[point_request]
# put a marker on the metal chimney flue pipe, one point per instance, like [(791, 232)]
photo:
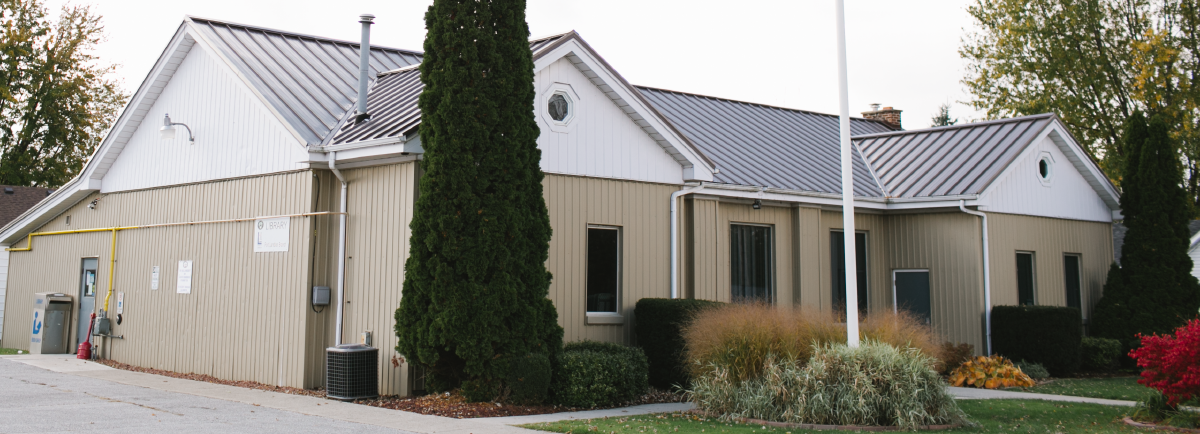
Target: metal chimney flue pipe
[(364, 66)]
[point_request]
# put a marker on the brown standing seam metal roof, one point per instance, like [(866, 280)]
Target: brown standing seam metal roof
[(761, 145), (948, 161), (312, 82), (392, 102), (21, 199)]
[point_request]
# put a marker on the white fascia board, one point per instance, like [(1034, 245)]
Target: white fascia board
[(827, 199), (210, 49), (1195, 239), (695, 168)]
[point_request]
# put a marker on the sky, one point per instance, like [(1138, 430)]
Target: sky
[(902, 54)]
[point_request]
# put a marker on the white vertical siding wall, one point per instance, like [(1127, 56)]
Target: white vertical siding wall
[(601, 141), (235, 134), (3, 287), (1194, 252), (1019, 190)]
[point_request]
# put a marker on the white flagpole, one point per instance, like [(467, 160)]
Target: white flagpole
[(847, 184)]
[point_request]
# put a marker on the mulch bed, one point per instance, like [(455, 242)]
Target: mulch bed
[(454, 405), (211, 379), (443, 404)]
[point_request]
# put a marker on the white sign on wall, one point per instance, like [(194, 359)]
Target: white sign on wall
[(183, 280), (154, 277), (271, 235), (120, 302)]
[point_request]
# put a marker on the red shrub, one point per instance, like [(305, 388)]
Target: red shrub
[(1172, 363)]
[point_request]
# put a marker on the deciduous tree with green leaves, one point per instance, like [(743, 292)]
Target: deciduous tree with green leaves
[(56, 98), (475, 288), (1094, 63)]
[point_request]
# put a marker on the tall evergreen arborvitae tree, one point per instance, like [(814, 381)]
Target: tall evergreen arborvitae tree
[(1153, 291), (476, 286)]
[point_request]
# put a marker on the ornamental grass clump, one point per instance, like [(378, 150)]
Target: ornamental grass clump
[(876, 384), (739, 337)]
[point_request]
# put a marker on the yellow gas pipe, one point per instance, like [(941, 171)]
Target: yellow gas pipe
[(112, 265)]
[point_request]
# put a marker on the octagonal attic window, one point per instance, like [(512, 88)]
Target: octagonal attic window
[(559, 107), (1045, 169)]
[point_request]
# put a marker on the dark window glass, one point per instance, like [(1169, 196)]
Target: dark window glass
[(603, 254), (1025, 278), (558, 107), (912, 293), (837, 242), (1044, 168), (751, 263), (1071, 271)]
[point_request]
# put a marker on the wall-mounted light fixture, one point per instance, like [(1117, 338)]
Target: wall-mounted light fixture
[(757, 204), (167, 132), (92, 205)]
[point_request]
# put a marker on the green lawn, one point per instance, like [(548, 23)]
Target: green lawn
[(1122, 388), (993, 416), (7, 351)]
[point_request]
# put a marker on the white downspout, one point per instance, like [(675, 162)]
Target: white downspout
[(675, 237), (987, 274), (341, 267)]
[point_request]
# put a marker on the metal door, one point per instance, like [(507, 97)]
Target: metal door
[(912, 293), (87, 297)]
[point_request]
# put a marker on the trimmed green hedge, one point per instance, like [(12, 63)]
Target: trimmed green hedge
[(598, 374), (659, 324), (1100, 354), (1049, 335)]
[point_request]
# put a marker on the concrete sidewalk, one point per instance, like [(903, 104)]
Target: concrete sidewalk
[(973, 393), (304, 405), (593, 414)]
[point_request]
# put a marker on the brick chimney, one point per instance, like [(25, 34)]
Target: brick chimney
[(886, 114)]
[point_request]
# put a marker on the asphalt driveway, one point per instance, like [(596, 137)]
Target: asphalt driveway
[(35, 400)]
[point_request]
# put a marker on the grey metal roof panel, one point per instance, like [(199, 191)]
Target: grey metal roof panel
[(392, 102), (536, 45), (948, 161), (310, 81), (761, 145)]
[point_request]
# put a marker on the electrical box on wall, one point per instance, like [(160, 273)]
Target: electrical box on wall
[(320, 296), (365, 339)]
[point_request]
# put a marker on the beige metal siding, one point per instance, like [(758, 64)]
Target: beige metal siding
[(1049, 239), (642, 211), (878, 264), (243, 319), (780, 220), (949, 245), (381, 208)]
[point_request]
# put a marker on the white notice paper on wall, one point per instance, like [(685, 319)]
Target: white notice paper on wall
[(271, 235), (154, 277), (183, 282), (120, 302)]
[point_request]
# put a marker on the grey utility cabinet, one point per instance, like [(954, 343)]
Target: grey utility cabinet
[(51, 318)]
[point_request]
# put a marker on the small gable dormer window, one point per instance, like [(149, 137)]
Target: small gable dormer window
[(1045, 168), (559, 107)]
